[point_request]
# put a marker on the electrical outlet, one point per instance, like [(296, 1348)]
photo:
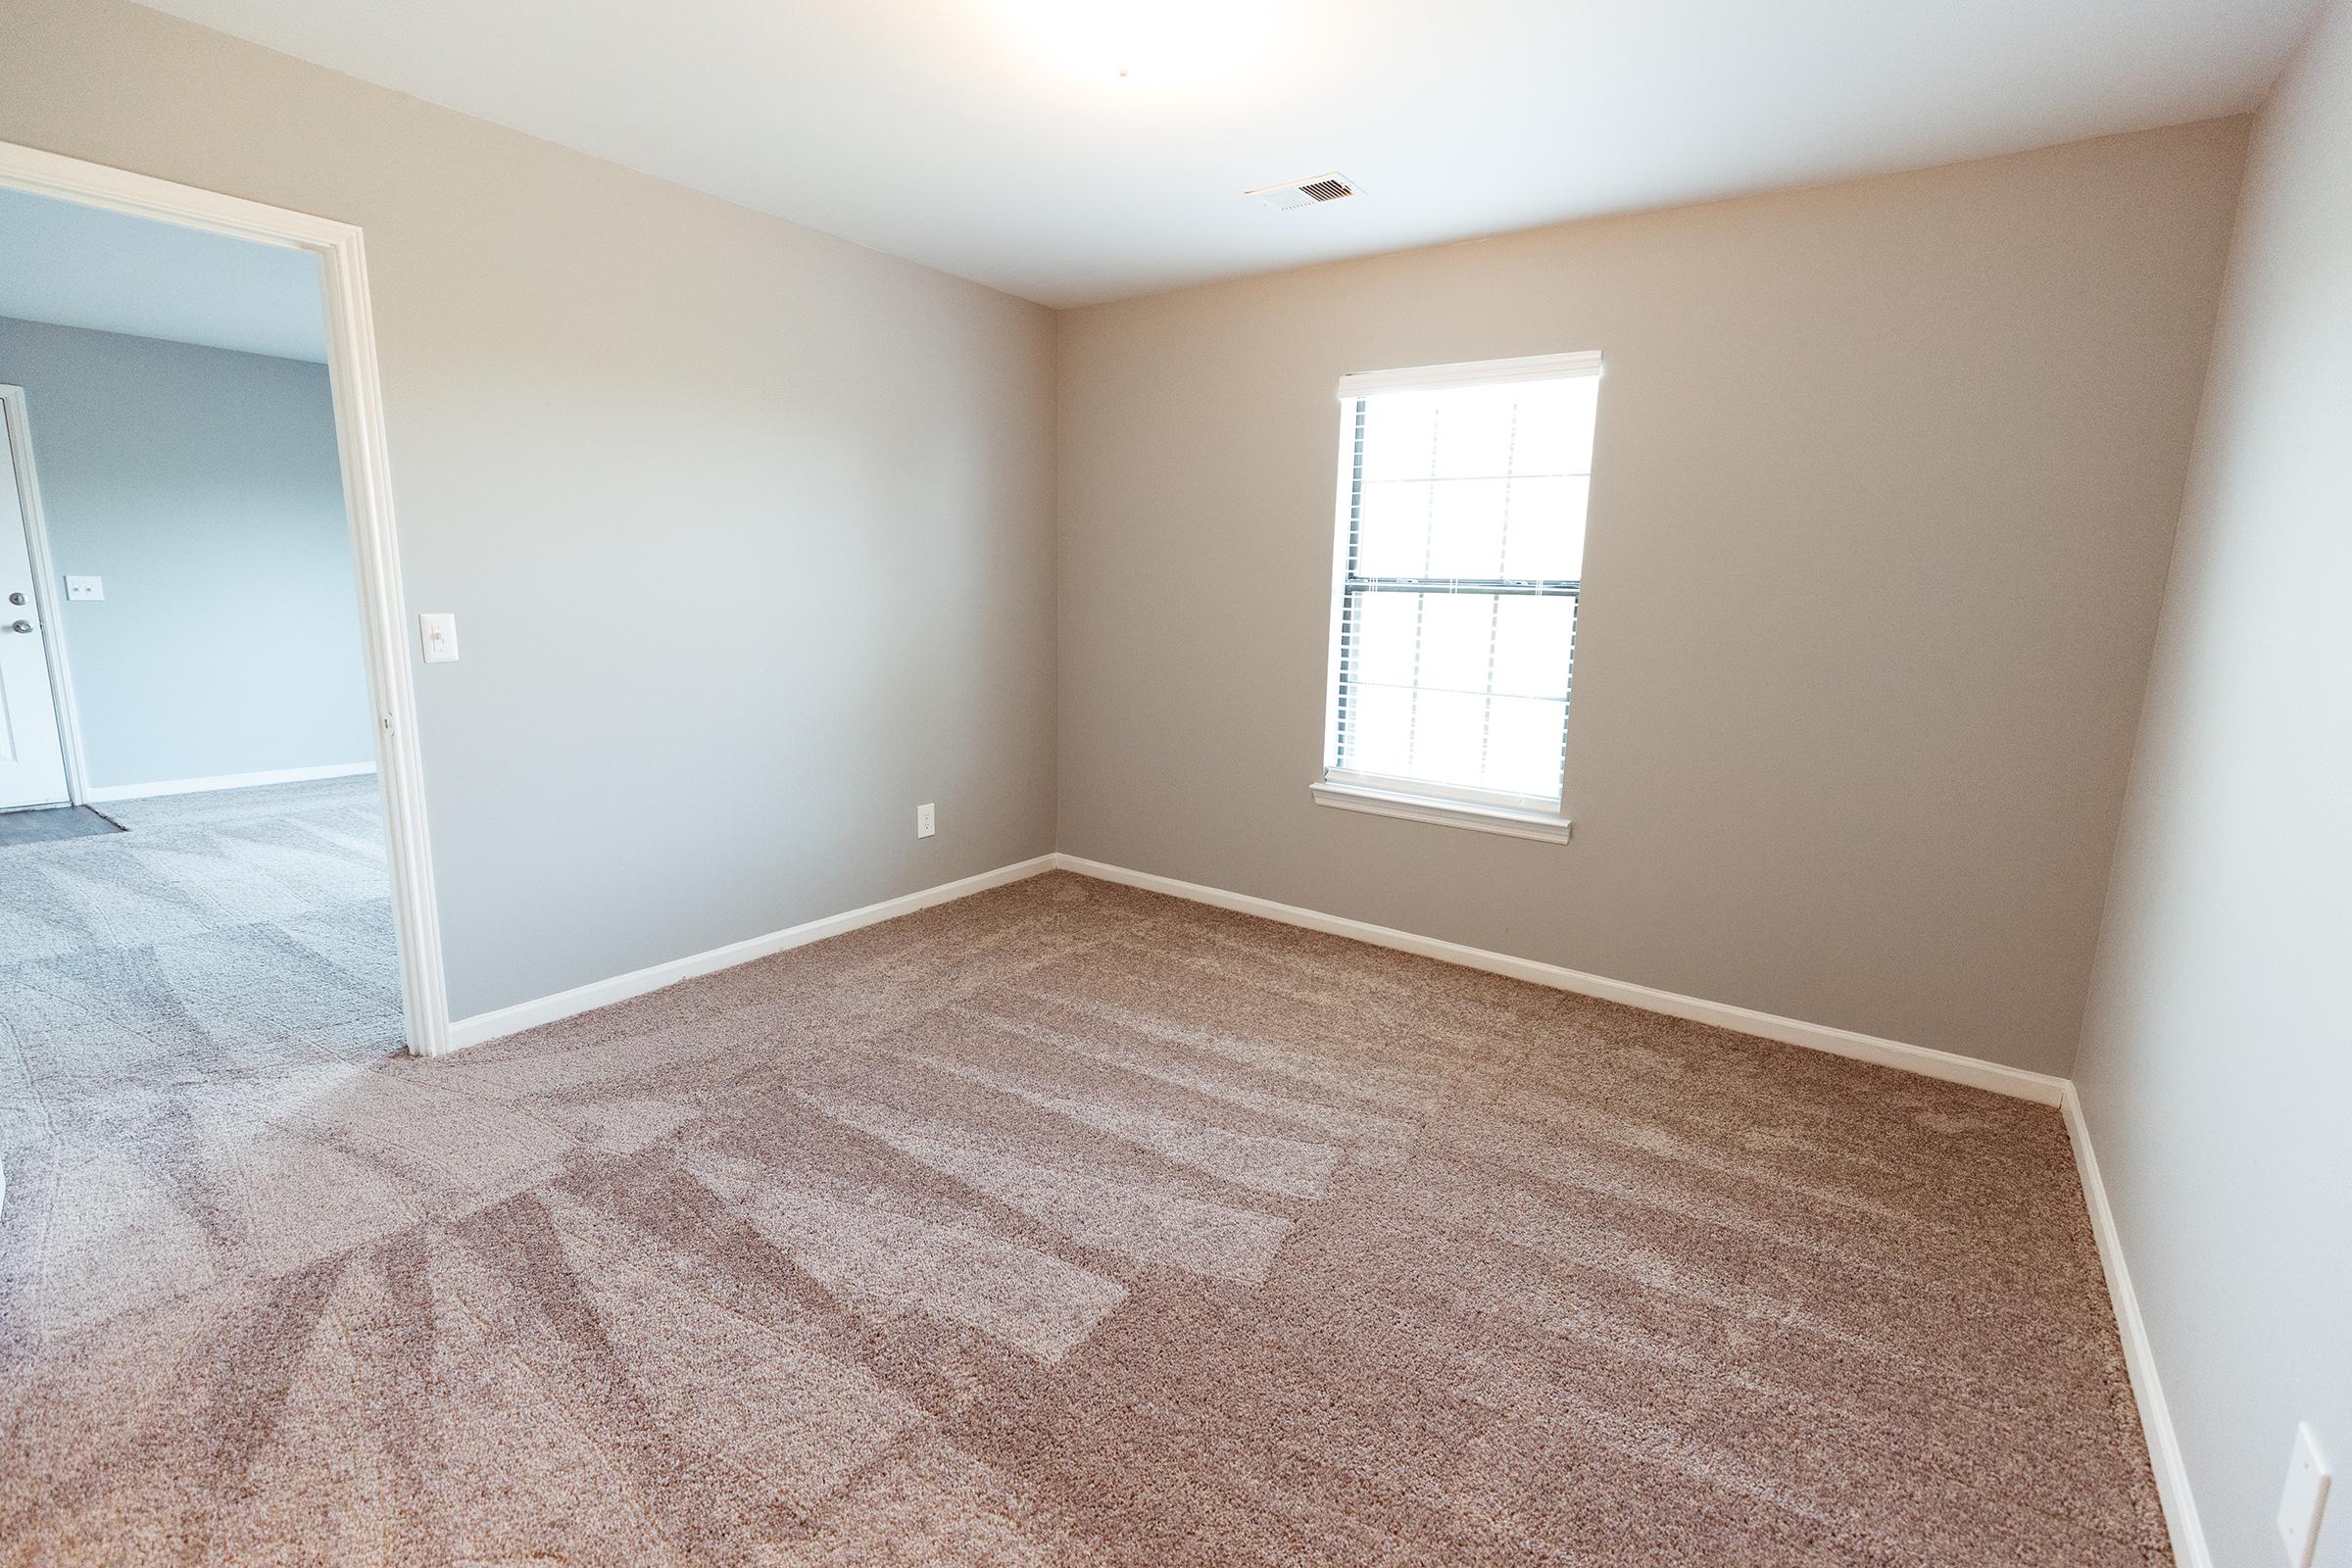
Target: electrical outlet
[(924, 823), (2306, 1495), (80, 590)]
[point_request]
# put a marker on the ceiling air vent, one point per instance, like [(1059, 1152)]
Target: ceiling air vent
[(1305, 193)]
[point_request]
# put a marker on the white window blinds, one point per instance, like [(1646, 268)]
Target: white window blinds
[(1461, 523)]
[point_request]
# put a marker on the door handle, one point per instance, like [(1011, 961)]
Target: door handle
[(20, 625)]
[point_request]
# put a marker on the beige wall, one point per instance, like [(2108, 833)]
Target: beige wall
[(1885, 484), (750, 535), (749, 530), (2215, 1070)]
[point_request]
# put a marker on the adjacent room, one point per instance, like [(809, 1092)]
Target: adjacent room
[(193, 844), (1017, 782)]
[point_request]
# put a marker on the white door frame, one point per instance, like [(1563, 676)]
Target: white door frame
[(68, 717), (351, 372)]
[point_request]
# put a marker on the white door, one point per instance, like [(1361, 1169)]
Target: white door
[(32, 762)]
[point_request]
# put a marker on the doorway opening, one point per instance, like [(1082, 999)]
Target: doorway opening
[(210, 806)]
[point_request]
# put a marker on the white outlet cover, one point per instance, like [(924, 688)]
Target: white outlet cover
[(2305, 1498), (925, 824), (84, 588)]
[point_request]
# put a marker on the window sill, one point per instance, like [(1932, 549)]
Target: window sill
[(1547, 827)]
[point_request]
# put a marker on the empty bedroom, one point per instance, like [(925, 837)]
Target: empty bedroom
[(1057, 784)]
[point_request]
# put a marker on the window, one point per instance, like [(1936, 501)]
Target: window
[(1461, 542)]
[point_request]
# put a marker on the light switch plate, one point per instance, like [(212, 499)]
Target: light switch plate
[(925, 824), (80, 588), (2305, 1498), (438, 631)]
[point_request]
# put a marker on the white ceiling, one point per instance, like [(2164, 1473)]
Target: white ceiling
[(994, 138), (77, 266)]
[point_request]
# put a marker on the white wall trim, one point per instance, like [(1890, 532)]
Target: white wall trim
[(228, 781), (2190, 1549), (2040, 1087), (1549, 827), (621, 988), (1471, 372), (351, 373)]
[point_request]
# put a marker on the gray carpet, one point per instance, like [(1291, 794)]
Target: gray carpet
[(233, 929), (1064, 1225)]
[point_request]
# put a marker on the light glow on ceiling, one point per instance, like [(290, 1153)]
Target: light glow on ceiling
[(1189, 44)]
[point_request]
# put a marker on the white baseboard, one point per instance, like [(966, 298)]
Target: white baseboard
[(2189, 1549), (228, 781), (603, 993), (2040, 1087)]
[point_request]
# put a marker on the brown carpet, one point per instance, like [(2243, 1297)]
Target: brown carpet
[(1064, 1225)]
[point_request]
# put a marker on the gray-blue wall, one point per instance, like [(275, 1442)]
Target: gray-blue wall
[(202, 486)]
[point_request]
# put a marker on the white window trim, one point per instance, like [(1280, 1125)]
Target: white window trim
[(1517, 822), (1470, 372), (1544, 806), (1414, 799)]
